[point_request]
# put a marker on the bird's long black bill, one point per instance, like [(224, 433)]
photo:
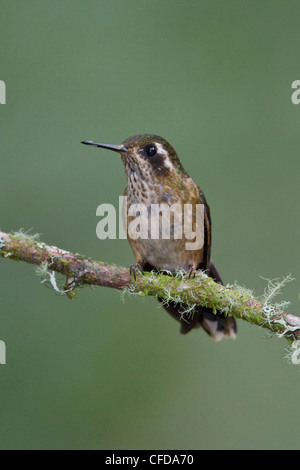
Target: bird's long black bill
[(115, 148)]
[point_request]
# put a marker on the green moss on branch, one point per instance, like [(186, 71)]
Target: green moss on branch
[(234, 301)]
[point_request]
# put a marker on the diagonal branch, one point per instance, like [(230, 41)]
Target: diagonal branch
[(202, 290)]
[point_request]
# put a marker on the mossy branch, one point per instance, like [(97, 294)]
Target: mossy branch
[(79, 271)]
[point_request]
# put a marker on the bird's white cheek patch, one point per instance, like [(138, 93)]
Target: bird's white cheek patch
[(164, 152), (168, 164), (160, 149)]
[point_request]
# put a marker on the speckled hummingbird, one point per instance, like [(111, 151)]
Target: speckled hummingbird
[(155, 175)]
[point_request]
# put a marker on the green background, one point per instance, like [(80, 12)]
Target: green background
[(214, 78)]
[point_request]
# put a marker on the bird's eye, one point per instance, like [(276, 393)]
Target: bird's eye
[(150, 150)]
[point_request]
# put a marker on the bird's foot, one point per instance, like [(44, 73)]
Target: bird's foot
[(191, 271), (134, 269)]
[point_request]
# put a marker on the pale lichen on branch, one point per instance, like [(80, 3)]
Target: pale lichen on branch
[(234, 300)]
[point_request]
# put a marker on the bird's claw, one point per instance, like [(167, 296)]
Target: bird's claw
[(191, 272), (134, 269)]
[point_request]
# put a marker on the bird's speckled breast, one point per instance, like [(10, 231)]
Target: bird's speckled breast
[(170, 254)]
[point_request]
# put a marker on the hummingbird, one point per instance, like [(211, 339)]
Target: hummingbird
[(155, 175)]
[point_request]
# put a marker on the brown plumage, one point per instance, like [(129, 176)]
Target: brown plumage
[(155, 176)]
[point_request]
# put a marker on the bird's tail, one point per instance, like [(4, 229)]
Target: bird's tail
[(216, 325)]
